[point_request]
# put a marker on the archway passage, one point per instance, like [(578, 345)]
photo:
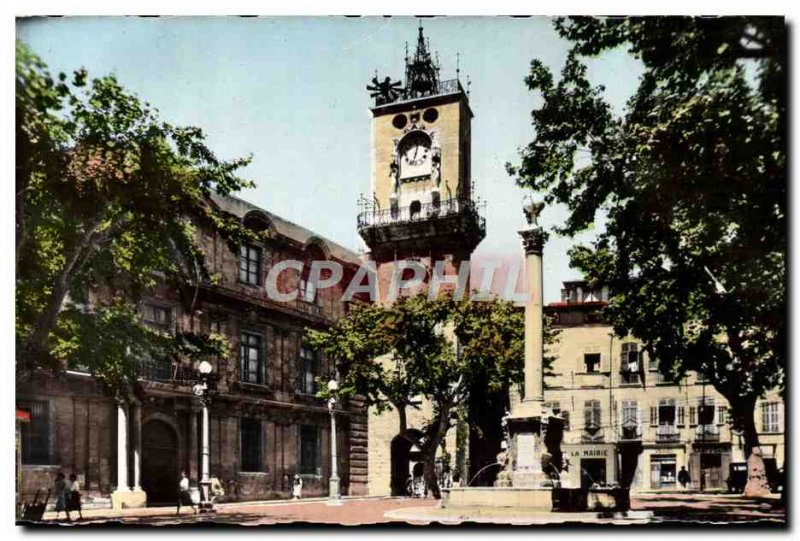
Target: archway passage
[(160, 473), (404, 453)]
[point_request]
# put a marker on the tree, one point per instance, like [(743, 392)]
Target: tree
[(109, 198), (692, 177), (390, 354)]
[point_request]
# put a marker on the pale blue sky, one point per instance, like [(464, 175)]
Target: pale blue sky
[(290, 90)]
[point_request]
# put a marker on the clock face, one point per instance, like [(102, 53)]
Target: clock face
[(415, 155)]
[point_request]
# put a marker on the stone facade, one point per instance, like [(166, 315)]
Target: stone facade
[(627, 423), (269, 415)]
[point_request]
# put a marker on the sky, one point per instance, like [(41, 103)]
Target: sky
[(291, 92)]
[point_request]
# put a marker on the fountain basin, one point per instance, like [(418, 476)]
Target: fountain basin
[(538, 498)]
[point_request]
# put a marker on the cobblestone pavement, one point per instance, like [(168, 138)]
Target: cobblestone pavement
[(665, 508)]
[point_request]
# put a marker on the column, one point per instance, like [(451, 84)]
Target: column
[(137, 447), (205, 443), (122, 446), (533, 242), (334, 496), (193, 473)]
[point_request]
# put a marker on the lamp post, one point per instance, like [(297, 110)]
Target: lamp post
[(201, 389), (334, 497)]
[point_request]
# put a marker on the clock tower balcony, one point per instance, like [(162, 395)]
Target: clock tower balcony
[(456, 222)]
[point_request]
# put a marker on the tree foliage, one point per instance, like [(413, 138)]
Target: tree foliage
[(692, 177), (391, 354), (108, 199)]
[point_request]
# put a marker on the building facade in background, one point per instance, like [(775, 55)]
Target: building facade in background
[(266, 422), (629, 424)]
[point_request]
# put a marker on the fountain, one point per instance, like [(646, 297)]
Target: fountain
[(533, 434), (529, 489)]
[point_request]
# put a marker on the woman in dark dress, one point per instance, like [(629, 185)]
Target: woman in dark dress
[(74, 496)]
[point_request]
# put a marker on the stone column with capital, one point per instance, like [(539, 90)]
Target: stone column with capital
[(533, 397), (123, 497), (122, 447), (534, 435)]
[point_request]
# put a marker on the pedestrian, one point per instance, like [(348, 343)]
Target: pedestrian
[(297, 487), (184, 496), (684, 478), (74, 495), (60, 492)]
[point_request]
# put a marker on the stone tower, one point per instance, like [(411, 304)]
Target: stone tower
[(421, 211), (421, 206)]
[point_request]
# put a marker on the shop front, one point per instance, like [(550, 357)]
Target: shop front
[(709, 465), (592, 464)]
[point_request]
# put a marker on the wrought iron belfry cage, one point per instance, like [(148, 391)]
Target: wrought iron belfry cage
[(422, 78)]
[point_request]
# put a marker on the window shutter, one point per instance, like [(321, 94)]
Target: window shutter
[(587, 414), (764, 417), (565, 415), (638, 421), (692, 416), (623, 365), (721, 415), (680, 416), (653, 416)]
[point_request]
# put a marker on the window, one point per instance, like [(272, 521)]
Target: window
[(250, 264), (158, 317), (630, 363), (307, 290), (770, 417), (250, 358), (630, 420), (36, 432), (310, 450), (216, 325), (667, 418), (251, 445), (705, 411), (663, 472), (592, 362), (156, 368), (308, 370), (592, 428), (721, 410), (706, 420), (415, 208)]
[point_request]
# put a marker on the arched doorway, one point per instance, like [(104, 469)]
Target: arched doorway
[(405, 452), (160, 473)]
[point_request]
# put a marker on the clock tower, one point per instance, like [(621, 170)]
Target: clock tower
[(421, 207)]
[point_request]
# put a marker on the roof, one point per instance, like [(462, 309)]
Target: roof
[(240, 208)]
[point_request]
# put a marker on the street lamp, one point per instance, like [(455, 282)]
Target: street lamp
[(201, 389), (334, 497)]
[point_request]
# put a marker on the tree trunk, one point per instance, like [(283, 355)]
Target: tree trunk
[(743, 412), (34, 352), (436, 434)]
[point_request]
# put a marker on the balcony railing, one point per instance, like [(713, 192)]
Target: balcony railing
[(372, 216), (629, 378), (630, 433), (450, 86), (164, 371), (707, 433), (667, 433)]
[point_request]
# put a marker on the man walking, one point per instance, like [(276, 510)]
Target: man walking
[(184, 496), (684, 478)]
